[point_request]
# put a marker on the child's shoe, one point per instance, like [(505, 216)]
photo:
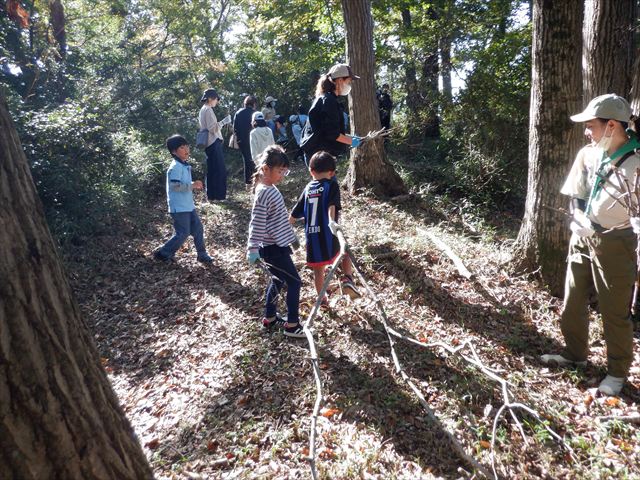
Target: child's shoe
[(349, 288), (295, 331), (204, 258), (158, 256), (277, 321)]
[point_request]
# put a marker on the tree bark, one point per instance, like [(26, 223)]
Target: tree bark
[(608, 36), (410, 79), (445, 68), (56, 11), (634, 97), (59, 417), (368, 168), (553, 139)]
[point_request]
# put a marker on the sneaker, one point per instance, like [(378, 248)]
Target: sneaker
[(277, 321), (349, 288), (559, 360), (611, 386), (205, 258), (296, 331), (161, 258)]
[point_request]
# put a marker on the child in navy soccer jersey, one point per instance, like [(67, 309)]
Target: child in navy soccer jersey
[(270, 237), (319, 205)]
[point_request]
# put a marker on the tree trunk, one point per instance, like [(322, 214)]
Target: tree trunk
[(553, 139), (59, 417), (430, 75), (410, 80), (56, 11), (369, 167), (445, 68), (634, 97), (608, 47)]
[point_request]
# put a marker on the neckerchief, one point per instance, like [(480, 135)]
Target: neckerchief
[(605, 168)]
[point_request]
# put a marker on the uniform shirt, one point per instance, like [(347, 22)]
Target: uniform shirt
[(605, 210), (269, 223), (179, 194), (326, 123), (208, 121), (313, 205)]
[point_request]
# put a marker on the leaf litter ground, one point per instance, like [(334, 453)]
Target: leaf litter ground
[(210, 395)]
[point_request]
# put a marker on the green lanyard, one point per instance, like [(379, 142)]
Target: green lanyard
[(605, 168)]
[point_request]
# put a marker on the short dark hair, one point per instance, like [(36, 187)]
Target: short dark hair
[(322, 162), (174, 142), (250, 101)]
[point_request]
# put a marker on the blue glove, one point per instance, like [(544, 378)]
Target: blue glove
[(355, 141), (252, 257)]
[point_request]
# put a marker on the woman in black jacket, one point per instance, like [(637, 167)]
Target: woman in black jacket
[(325, 129)]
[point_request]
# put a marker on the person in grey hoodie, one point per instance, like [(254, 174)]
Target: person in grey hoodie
[(261, 135)]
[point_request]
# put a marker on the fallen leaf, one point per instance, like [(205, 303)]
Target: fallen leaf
[(612, 401), (484, 444), (152, 444), (329, 412)]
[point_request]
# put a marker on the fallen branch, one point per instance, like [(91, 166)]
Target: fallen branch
[(450, 253), (635, 419), (473, 359)]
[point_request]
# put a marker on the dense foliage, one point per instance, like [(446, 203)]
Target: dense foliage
[(94, 105)]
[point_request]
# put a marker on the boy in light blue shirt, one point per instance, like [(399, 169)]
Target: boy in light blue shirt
[(181, 207)]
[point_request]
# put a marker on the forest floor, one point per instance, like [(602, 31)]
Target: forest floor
[(210, 395)]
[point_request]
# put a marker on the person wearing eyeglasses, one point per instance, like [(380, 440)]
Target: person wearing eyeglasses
[(270, 240)]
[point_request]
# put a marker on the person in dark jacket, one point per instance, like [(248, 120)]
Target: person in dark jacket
[(242, 129), (385, 105), (325, 128)]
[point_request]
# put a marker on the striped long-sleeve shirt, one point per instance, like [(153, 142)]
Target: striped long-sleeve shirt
[(269, 223)]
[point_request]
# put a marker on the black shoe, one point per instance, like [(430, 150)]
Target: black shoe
[(277, 321), (205, 258), (295, 332), (161, 258)]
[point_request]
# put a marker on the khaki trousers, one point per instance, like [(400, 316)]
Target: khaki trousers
[(608, 262)]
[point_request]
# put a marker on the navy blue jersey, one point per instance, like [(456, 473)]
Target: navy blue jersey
[(313, 205)]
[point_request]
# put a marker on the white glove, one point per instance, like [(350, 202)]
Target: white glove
[(581, 225), (334, 227), (635, 224)]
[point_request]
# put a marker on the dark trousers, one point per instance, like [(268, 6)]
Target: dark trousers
[(216, 172), (278, 260), (249, 166), (185, 224)]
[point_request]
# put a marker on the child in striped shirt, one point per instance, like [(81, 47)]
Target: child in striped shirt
[(270, 237)]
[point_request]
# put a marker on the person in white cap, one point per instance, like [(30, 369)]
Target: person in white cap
[(603, 241), (261, 136), (269, 112), (325, 129)]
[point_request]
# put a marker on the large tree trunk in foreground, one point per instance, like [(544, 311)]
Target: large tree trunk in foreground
[(369, 168), (608, 50), (59, 417), (553, 139), (634, 97)]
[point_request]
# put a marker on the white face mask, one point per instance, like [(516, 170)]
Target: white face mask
[(605, 142), (346, 89)]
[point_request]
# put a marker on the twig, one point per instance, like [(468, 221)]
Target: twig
[(635, 419), (315, 359), (450, 253)]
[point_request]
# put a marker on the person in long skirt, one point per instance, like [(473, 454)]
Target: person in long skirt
[(216, 180)]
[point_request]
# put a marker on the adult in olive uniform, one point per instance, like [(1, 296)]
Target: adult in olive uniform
[(603, 242)]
